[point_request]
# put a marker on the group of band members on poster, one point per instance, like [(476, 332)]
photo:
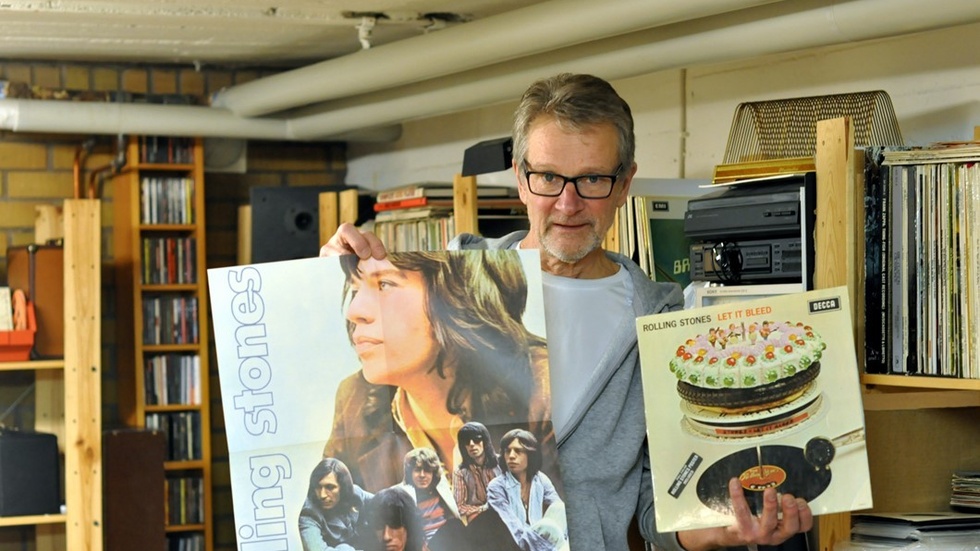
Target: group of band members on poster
[(442, 440)]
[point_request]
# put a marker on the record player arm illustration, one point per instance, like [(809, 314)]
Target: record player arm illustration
[(820, 451)]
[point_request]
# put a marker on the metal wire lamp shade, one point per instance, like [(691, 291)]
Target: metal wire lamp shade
[(787, 128)]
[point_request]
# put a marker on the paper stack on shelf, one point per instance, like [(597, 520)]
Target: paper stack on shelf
[(966, 489), (938, 530)]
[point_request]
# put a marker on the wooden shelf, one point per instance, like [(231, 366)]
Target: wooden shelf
[(149, 408), (184, 465), (68, 395), (166, 227), (169, 288), (184, 528), (32, 365), (921, 425), (163, 167), (130, 229), (32, 520), (920, 382)]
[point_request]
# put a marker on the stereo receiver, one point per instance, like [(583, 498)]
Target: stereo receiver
[(752, 260)]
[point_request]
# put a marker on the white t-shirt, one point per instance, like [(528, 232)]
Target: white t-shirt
[(581, 317)]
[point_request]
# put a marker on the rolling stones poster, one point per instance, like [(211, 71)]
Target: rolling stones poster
[(764, 390), (366, 363)]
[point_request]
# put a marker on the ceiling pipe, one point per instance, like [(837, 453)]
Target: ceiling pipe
[(762, 30), (87, 118), (26, 115), (530, 30), (769, 29)]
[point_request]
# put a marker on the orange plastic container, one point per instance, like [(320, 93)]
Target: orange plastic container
[(15, 346)]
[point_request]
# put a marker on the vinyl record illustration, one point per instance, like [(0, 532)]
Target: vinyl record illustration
[(785, 468)]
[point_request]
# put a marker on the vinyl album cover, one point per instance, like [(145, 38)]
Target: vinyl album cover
[(763, 390), (388, 404)]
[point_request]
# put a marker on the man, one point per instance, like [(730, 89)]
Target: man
[(430, 491), (477, 468), (328, 520), (573, 159), (394, 521), (524, 495)]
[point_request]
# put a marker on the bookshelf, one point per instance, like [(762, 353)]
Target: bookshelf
[(68, 395), (919, 429), (426, 227), (163, 321)]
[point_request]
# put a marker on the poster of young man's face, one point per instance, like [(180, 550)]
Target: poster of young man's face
[(336, 373)]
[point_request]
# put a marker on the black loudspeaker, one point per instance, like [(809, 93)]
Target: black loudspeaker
[(488, 156), (286, 222), (29, 477)]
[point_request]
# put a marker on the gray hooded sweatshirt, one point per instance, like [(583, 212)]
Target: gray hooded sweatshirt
[(605, 463)]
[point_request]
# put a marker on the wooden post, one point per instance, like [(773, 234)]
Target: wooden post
[(83, 375), (839, 247), (611, 241), (328, 213), (347, 207), (244, 235), (839, 238), (464, 204), (49, 223)]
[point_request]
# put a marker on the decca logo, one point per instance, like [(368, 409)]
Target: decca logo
[(824, 305)]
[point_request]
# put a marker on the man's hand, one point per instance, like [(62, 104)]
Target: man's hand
[(350, 240), (766, 529)]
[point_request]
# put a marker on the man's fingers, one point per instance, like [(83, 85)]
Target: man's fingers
[(376, 247), (790, 523), (769, 520), (806, 515), (743, 515), (350, 240), (769, 527)]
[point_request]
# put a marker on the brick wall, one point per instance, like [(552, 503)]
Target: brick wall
[(38, 170)]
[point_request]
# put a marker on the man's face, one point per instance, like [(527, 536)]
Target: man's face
[(328, 491), (516, 457), (421, 477), (569, 227), (474, 448), (394, 539)]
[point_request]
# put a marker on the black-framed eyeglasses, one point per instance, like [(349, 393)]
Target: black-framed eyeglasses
[(588, 186), (478, 439)]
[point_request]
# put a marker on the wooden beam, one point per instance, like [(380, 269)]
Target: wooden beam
[(49, 223), (244, 235), (464, 204), (837, 248), (347, 212), (329, 215), (83, 375)]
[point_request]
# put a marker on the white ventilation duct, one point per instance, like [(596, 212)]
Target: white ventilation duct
[(26, 115), (757, 31), (530, 30), (761, 30), (75, 117)]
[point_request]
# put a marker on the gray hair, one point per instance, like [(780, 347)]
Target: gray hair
[(575, 101)]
